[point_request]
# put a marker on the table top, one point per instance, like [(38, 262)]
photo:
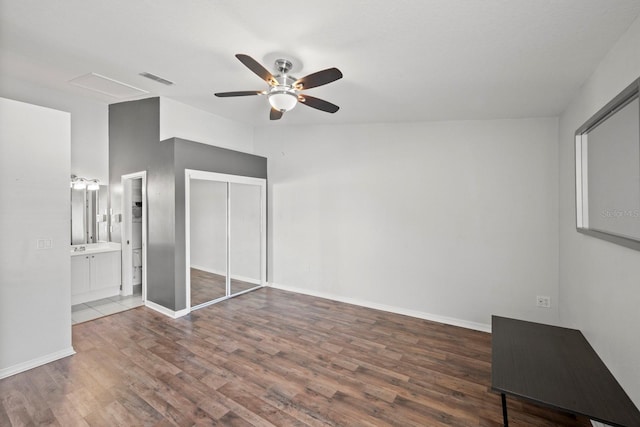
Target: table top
[(556, 367)]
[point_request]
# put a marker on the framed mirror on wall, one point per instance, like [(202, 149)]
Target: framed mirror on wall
[(225, 230), (607, 150)]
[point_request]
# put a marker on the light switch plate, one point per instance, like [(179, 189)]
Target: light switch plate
[(44, 243)]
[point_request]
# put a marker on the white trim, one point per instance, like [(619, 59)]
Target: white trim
[(263, 232), (34, 363), (214, 176), (164, 310), (391, 309), (187, 237), (227, 278), (598, 424)]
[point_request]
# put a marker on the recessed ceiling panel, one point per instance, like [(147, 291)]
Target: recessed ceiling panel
[(107, 86)]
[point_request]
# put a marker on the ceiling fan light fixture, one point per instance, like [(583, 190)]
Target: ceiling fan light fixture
[(283, 99)]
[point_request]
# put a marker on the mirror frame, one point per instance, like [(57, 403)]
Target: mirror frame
[(628, 95)]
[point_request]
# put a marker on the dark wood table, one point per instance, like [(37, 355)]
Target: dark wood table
[(556, 367)]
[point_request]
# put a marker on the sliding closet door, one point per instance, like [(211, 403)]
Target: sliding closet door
[(245, 236), (208, 241), (226, 227)]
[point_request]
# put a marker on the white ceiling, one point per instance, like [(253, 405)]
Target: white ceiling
[(402, 60)]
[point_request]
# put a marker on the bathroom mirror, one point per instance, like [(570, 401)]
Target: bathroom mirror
[(89, 215)]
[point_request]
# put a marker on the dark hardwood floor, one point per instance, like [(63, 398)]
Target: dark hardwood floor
[(267, 358), (207, 286)]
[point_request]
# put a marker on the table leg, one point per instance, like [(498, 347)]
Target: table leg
[(504, 410)]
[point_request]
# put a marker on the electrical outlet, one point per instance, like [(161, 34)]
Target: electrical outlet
[(543, 301)]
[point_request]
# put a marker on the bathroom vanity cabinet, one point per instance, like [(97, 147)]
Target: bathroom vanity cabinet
[(95, 272)]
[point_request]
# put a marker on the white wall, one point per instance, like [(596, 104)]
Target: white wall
[(600, 281), (456, 220), (35, 291), (183, 121), (89, 125)]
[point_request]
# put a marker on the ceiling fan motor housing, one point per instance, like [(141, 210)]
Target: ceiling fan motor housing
[(283, 96), (283, 65)]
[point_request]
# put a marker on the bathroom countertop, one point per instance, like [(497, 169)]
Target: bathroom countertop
[(92, 248)]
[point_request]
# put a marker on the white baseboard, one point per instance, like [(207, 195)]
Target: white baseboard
[(164, 310), (599, 424), (95, 295), (392, 309), (233, 276), (34, 363)]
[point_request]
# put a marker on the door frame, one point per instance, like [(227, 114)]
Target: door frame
[(127, 220), (190, 174)]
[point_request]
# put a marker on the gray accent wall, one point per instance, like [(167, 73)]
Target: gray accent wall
[(134, 146)]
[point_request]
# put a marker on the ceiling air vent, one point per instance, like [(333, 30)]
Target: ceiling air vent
[(156, 78)]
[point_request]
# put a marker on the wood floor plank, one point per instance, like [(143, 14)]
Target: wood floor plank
[(268, 358)]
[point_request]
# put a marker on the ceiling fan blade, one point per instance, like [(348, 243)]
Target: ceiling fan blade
[(318, 79), (255, 66), (275, 114), (239, 93), (318, 104)]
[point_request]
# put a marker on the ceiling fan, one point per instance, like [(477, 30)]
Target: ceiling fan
[(284, 89)]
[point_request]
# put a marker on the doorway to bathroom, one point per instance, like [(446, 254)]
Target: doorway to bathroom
[(225, 230), (129, 270), (134, 234)]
